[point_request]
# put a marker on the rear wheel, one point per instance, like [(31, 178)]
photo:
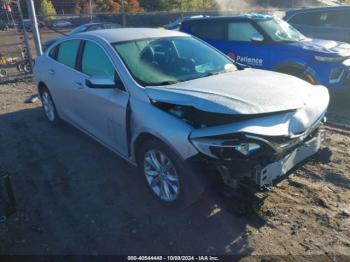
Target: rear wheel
[(49, 107)]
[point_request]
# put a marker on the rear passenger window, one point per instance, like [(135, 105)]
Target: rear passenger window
[(95, 62), (67, 52), (241, 32), (212, 30), (338, 19), (310, 19)]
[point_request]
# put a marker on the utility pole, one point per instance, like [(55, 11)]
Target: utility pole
[(90, 7), (123, 14), (36, 34), (25, 34)]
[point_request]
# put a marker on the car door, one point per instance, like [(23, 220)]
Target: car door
[(246, 45), (102, 111), (62, 77)]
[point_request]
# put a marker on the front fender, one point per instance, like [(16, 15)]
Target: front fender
[(146, 118)]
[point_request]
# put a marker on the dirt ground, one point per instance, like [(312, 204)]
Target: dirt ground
[(76, 197)]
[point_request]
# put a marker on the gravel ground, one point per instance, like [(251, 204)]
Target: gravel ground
[(76, 197)]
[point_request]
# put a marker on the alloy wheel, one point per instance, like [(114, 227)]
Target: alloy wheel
[(161, 175)]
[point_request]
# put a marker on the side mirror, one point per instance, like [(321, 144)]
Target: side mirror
[(100, 82), (257, 38)]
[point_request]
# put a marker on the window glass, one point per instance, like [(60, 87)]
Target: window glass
[(95, 62), (213, 30), (67, 52), (170, 60), (280, 31), (338, 19), (311, 19), (241, 31)]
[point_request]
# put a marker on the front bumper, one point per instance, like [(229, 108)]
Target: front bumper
[(322, 72), (261, 170), (265, 176)]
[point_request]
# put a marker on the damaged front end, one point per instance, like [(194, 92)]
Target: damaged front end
[(255, 149), (253, 160), (253, 135)]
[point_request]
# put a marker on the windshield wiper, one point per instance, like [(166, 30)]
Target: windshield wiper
[(165, 83), (213, 73)]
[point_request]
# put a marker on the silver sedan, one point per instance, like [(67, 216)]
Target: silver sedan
[(176, 107)]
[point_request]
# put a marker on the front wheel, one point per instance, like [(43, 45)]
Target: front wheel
[(166, 175)]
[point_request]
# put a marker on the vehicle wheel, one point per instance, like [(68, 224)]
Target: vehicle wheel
[(27, 68), (298, 74), (3, 73), (49, 107), (19, 67), (167, 176)]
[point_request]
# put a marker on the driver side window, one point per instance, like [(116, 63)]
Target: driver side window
[(95, 62), (241, 31)]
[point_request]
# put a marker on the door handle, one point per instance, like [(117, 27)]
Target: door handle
[(79, 85), (52, 72)]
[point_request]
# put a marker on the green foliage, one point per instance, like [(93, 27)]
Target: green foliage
[(47, 9)]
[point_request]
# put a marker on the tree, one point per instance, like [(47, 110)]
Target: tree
[(108, 6), (83, 6), (47, 9), (116, 6), (132, 6)]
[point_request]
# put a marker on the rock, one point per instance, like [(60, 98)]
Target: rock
[(343, 214)]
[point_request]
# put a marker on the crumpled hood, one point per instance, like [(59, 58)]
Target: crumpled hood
[(250, 91), (327, 47)]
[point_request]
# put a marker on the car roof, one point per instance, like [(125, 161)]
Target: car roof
[(317, 9), (130, 34), (249, 16), (98, 23)]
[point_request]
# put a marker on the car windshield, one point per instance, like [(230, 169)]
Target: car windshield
[(166, 61), (281, 31)]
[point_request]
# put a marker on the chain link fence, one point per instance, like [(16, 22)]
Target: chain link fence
[(15, 58)]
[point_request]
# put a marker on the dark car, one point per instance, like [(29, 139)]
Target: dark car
[(83, 28), (330, 23)]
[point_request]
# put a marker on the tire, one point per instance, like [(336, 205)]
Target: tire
[(20, 67), (176, 178), (27, 68), (49, 107), (297, 73), (3, 73)]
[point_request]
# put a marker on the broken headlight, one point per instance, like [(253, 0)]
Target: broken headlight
[(225, 149)]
